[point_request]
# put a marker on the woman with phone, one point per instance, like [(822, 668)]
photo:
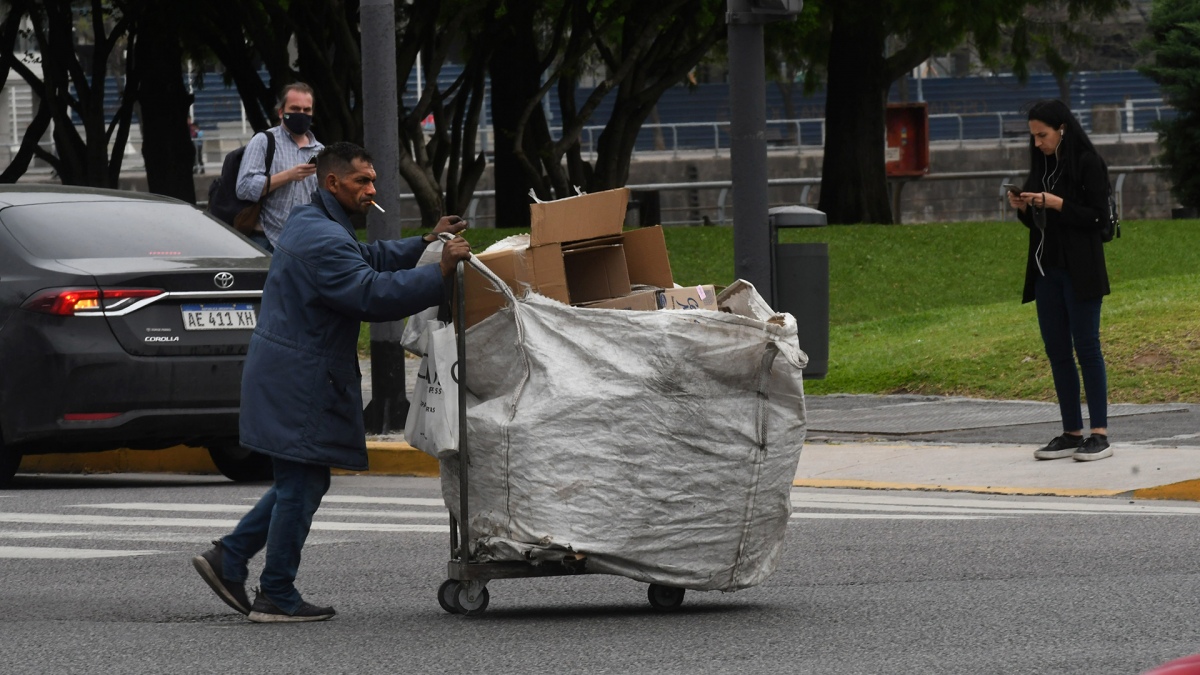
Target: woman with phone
[(1064, 203)]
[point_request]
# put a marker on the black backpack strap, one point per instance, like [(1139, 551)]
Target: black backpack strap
[(269, 158)]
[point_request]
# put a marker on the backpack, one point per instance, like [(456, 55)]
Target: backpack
[(223, 202), (1112, 227)]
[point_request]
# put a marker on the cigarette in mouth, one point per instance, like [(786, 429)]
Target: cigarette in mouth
[(378, 207)]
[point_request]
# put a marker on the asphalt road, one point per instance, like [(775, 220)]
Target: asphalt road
[(872, 582)]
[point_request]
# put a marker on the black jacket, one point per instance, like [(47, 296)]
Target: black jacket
[(1073, 233)]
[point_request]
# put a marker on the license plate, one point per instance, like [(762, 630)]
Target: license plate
[(222, 316)]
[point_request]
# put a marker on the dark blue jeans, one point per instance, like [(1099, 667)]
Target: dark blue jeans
[(280, 521), (262, 241), (1070, 329)]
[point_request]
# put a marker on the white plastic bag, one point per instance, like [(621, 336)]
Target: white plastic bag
[(432, 424), (414, 336)]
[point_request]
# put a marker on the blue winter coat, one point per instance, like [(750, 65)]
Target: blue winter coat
[(301, 387)]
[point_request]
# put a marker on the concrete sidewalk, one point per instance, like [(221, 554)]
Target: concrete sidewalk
[(1136, 471)]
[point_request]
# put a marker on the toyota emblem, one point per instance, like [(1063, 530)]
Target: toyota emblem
[(223, 280)]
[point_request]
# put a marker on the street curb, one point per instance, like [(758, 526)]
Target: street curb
[(1188, 490), (385, 459), (1183, 491), (982, 489)]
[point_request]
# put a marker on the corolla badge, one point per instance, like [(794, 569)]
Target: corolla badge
[(223, 280)]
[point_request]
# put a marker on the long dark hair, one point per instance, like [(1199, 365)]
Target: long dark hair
[(1074, 145)]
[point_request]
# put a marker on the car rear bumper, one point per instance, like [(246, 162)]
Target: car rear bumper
[(79, 391)]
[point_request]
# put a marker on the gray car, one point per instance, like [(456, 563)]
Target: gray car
[(124, 323)]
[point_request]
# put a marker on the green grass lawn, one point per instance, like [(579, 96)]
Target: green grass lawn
[(936, 309)]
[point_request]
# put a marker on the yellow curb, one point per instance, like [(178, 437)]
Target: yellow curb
[(879, 485), (385, 459), (1188, 490), (177, 459), (395, 459)]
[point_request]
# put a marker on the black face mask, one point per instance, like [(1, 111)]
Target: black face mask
[(297, 123)]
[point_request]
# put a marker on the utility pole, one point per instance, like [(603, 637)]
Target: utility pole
[(747, 131), (388, 408)]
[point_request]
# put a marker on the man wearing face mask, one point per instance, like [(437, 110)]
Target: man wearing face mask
[(292, 180)]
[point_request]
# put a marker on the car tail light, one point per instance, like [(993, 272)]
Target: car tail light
[(89, 417), (85, 301)]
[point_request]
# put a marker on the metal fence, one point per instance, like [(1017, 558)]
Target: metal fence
[(712, 203)]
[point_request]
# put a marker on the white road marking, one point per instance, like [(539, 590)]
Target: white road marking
[(40, 553), (238, 508), (1088, 506), (134, 521), (402, 501), (884, 516)]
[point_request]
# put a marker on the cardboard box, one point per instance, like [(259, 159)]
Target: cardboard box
[(638, 300), (691, 297), (595, 270), (540, 269), (600, 214), (646, 257)]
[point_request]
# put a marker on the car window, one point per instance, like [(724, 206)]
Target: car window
[(121, 230)]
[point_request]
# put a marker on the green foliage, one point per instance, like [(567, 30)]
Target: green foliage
[(1174, 29)]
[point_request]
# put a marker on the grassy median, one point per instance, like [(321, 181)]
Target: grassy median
[(935, 309)]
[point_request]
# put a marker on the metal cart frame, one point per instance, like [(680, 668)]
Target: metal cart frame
[(465, 589)]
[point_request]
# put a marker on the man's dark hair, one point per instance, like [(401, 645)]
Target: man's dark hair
[(338, 158), (295, 86)]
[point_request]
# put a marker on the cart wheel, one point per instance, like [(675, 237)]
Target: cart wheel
[(467, 607), (665, 598), (448, 596)]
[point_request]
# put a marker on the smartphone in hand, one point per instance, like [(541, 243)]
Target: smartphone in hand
[(1012, 188)]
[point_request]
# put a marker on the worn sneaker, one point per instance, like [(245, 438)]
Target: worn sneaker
[(1095, 447), (210, 566), (1059, 447), (265, 611)]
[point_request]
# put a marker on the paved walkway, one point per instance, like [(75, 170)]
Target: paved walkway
[(949, 443)]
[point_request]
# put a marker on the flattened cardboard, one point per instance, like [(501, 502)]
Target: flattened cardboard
[(576, 218), (638, 300), (690, 297)]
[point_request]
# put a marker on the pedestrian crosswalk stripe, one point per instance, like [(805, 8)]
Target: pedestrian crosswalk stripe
[(47, 553), (885, 516), (241, 509), (137, 521), (402, 501)]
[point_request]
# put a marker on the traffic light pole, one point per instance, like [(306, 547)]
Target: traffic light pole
[(748, 147), (388, 408)]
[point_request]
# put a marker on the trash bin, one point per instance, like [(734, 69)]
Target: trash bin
[(647, 204), (800, 283)]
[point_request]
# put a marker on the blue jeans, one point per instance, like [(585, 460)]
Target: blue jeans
[(1070, 329), (280, 521), (261, 239)]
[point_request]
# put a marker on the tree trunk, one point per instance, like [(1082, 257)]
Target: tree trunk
[(166, 142), (514, 74), (853, 177)]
